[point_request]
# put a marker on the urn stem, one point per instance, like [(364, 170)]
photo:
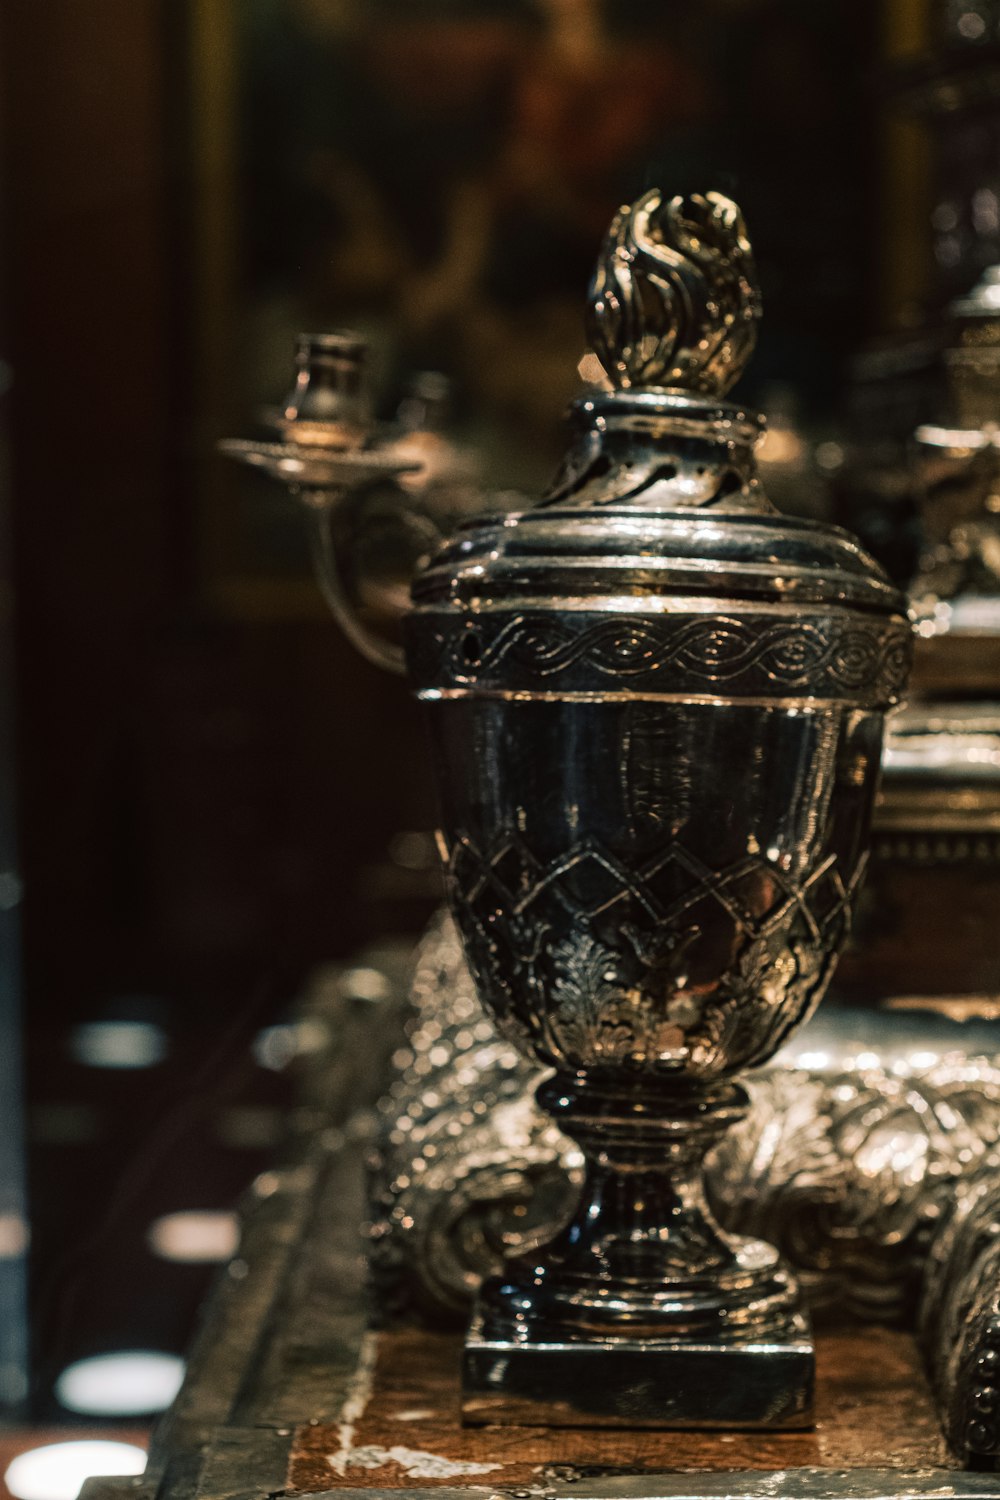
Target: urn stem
[(643, 1215), (692, 1326), (643, 1255)]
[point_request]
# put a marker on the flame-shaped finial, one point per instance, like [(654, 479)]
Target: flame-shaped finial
[(674, 298)]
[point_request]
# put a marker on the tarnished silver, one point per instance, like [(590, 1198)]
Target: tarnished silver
[(860, 1137), (656, 715)]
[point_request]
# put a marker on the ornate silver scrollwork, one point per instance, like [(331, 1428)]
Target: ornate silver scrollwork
[(867, 660), (467, 1170), (851, 1170), (959, 1316)]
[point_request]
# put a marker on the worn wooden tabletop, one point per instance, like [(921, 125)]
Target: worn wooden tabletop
[(873, 1410)]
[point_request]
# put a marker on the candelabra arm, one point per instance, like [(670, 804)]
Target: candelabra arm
[(365, 536), (326, 565)]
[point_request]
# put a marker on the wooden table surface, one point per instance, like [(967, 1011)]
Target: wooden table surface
[(289, 1391), (873, 1410)]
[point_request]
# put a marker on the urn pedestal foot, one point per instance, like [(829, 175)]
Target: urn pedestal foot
[(638, 1384), (642, 1312)]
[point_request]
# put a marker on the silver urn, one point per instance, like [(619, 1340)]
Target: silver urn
[(656, 713)]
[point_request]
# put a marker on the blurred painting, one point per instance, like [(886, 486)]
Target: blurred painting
[(436, 174)]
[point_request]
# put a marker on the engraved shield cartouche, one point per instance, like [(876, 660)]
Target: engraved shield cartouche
[(656, 710)]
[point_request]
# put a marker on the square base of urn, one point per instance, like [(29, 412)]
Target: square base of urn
[(641, 1384)]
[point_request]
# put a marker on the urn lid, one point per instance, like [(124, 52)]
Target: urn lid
[(658, 508)]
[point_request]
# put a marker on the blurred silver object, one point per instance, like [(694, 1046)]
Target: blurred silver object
[(956, 591), (377, 500), (927, 923), (365, 535)]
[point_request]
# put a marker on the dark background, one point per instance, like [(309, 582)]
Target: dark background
[(212, 794)]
